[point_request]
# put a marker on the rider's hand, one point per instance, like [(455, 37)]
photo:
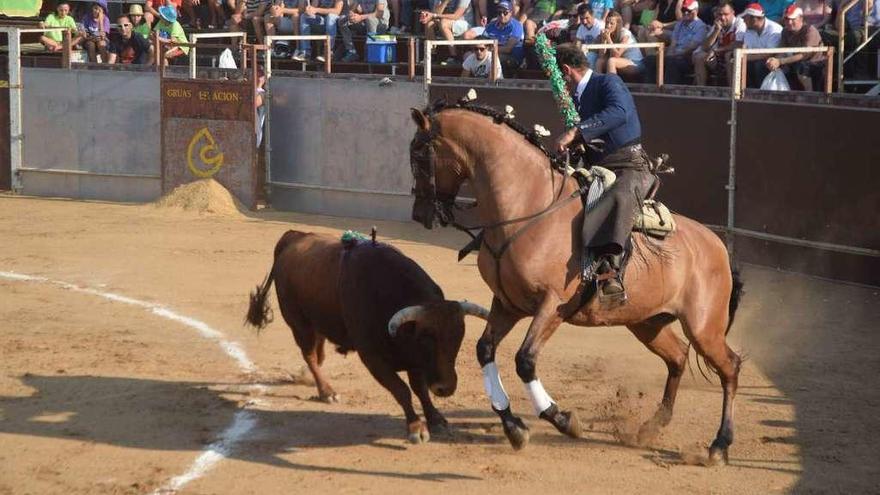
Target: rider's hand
[(566, 139)]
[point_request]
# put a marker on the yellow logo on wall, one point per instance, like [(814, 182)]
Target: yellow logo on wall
[(208, 155)]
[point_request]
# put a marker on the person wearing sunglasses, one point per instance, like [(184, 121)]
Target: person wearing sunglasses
[(509, 33), (479, 63), (128, 47)]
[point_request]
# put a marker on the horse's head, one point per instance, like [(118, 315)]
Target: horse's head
[(436, 171)]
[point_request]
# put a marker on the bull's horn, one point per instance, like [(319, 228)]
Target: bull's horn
[(405, 315), (472, 309)]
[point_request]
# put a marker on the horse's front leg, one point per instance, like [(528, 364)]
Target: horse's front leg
[(542, 328), (501, 321)]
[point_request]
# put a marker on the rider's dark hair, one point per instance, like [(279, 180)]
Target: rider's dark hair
[(570, 54)]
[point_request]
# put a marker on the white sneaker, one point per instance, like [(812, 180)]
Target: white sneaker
[(298, 56), (320, 58)]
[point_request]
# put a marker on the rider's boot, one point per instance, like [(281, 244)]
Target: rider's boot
[(612, 288)]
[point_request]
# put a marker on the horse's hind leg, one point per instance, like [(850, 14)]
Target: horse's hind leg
[(708, 337), (544, 324), (657, 335), (501, 321)]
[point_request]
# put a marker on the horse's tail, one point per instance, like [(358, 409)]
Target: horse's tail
[(259, 313), (736, 292)]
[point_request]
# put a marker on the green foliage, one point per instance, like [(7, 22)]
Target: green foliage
[(547, 56)]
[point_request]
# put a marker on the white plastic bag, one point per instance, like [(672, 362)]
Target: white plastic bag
[(775, 81), (227, 61)]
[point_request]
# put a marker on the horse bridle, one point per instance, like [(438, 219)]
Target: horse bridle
[(423, 163)]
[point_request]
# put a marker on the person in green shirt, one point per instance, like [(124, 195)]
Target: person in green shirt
[(52, 40), (171, 30), (141, 24)]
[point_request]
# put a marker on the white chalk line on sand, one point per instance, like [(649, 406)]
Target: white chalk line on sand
[(243, 422)]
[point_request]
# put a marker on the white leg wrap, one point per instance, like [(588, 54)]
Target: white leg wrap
[(494, 388), (540, 398)]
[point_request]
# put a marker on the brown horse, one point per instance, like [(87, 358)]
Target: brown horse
[(531, 259)]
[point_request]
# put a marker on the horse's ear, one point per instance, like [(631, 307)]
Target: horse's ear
[(421, 120)]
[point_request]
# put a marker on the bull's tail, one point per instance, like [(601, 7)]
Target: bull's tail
[(259, 313)]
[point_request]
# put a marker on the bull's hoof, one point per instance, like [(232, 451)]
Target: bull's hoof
[(566, 422), (517, 432), (438, 424), (718, 453), (418, 433)]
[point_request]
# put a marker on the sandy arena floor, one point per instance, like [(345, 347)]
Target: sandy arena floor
[(102, 396)]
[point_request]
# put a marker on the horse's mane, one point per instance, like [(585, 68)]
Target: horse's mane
[(498, 117)]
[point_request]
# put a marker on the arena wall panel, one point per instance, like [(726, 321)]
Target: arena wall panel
[(341, 146), (81, 122), (5, 165)]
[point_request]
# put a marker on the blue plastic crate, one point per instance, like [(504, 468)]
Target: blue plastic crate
[(381, 51)]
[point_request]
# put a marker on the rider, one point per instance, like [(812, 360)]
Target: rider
[(607, 112)]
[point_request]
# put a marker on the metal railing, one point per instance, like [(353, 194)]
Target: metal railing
[(328, 48), (660, 47), (840, 24), (429, 44), (740, 68), (195, 37)]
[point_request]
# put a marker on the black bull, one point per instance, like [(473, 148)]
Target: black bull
[(369, 298)]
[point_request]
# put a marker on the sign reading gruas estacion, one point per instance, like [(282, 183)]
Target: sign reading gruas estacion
[(208, 132)]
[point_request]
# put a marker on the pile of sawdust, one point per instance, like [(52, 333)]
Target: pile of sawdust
[(205, 196)]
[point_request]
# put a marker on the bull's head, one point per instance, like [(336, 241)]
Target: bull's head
[(438, 329)]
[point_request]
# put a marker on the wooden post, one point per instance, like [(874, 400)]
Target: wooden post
[(328, 55), (412, 58), (841, 26), (495, 61), (661, 52), (67, 49), (829, 70)]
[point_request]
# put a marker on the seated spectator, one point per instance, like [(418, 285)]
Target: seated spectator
[(248, 13), (61, 18), (283, 17), (322, 18), (452, 18), (143, 24), (687, 36), (170, 31), (534, 14), (601, 8), (183, 7), (486, 10), (509, 33), (659, 29), (640, 10), (365, 17), (716, 52), (128, 47), (626, 62), (96, 28), (589, 31), (817, 13), (760, 33), (773, 9), (801, 69), (401, 16), (478, 63)]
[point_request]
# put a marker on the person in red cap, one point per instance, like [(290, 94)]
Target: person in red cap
[(761, 33), (801, 68)]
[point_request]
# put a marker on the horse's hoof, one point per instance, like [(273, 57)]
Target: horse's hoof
[(517, 433), (718, 454), (330, 398), (569, 424), (418, 433)]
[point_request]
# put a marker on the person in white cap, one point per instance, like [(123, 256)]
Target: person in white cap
[(717, 49), (805, 68), (687, 36), (761, 33)]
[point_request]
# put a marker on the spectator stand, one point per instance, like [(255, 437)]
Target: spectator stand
[(15, 87), (430, 44), (208, 126), (866, 37), (660, 47)]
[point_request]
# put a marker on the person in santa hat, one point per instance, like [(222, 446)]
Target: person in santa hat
[(760, 33)]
